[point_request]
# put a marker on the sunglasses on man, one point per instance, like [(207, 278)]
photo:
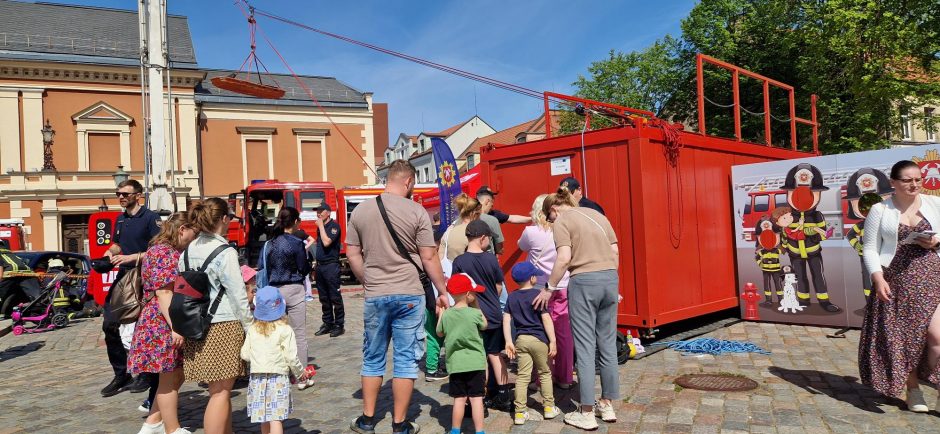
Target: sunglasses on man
[(123, 194)]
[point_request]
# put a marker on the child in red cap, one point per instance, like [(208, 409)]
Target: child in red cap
[(460, 327)]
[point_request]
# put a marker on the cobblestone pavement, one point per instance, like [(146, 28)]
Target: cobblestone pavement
[(50, 384)]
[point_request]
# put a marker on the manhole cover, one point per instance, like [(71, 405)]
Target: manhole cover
[(716, 382)]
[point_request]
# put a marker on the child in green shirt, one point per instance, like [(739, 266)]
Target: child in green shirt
[(460, 327)]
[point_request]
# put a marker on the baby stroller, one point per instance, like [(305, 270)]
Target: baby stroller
[(43, 312)]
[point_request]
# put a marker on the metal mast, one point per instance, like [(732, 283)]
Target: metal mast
[(153, 43)]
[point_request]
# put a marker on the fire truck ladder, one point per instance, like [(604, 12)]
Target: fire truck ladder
[(832, 177)]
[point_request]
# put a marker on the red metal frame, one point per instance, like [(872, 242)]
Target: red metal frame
[(736, 72), (587, 103)]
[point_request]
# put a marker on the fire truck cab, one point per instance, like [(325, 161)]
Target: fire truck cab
[(11, 231), (256, 208)]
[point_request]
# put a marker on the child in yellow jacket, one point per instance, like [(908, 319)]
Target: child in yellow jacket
[(271, 350)]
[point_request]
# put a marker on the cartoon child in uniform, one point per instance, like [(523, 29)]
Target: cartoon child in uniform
[(767, 256)]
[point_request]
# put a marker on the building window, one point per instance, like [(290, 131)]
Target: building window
[(471, 161), (930, 124), (427, 175), (104, 151), (905, 125)]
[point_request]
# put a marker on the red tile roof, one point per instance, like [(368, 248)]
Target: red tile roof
[(508, 135)]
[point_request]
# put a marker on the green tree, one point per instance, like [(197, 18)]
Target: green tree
[(865, 59)]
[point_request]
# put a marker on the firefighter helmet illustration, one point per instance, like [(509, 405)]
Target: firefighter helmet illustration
[(804, 184), (863, 182)]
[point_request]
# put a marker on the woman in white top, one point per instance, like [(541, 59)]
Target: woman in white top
[(217, 358), (900, 339), (539, 242)]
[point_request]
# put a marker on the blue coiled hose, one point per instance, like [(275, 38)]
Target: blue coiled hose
[(712, 346)]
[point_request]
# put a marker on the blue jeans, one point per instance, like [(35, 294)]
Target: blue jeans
[(398, 318)]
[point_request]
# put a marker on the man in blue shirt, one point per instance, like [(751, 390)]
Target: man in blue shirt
[(133, 231), (326, 253)]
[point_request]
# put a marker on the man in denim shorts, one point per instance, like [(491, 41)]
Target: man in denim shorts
[(395, 297)]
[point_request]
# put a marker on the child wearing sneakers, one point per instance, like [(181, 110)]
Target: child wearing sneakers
[(484, 268), (533, 341), (460, 327), (271, 350)]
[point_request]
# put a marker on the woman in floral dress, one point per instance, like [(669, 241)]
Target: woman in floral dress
[(900, 340), (155, 348)]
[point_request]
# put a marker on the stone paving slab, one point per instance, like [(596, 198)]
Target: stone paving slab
[(50, 384)]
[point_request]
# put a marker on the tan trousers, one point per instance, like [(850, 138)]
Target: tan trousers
[(530, 350)]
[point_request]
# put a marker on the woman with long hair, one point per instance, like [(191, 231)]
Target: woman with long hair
[(217, 358), (287, 267), (155, 347), (455, 239), (587, 248), (538, 241), (900, 340)]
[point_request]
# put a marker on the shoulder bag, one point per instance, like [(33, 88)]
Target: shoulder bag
[(127, 296), (429, 299)]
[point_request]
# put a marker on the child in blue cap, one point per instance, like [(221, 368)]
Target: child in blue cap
[(271, 350), (533, 341)]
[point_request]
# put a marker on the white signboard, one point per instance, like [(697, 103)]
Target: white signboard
[(561, 166)]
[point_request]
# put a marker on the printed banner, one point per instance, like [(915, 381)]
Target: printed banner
[(799, 226), (448, 180)]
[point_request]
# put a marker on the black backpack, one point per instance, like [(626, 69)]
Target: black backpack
[(189, 310)]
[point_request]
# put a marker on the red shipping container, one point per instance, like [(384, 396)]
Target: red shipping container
[(674, 224)]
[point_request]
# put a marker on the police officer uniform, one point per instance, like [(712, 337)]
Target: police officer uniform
[(806, 254), (768, 260), (862, 182), (327, 275)]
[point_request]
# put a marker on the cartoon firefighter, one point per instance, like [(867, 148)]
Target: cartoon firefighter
[(767, 256), (864, 188), (804, 186)]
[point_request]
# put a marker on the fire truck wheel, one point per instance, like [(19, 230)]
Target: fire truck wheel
[(623, 351)]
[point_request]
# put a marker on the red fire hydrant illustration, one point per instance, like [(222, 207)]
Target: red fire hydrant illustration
[(750, 297)]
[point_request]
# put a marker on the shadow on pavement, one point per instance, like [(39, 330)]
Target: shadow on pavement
[(20, 350), (842, 388), (385, 405)]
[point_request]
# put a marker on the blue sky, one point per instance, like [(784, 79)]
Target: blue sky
[(542, 45)]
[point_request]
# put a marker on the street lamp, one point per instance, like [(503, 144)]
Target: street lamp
[(120, 176), (104, 205), (48, 134)]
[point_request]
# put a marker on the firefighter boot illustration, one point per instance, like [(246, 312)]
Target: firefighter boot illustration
[(804, 186), (863, 189), (767, 256)]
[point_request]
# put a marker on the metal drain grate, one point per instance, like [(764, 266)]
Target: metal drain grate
[(716, 382)]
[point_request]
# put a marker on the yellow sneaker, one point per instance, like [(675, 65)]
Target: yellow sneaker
[(551, 412), (521, 418)]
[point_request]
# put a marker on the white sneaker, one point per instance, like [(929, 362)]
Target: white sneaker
[(915, 401), (182, 430), (581, 420), (605, 412), (151, 428), (551, 412), (301, 385), (521, 417)]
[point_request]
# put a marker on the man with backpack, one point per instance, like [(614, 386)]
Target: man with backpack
[(134, 229)]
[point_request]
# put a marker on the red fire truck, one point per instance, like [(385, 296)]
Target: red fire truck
[(256, 209), (11, 230)]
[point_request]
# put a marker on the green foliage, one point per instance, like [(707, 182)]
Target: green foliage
[(866, 60)]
